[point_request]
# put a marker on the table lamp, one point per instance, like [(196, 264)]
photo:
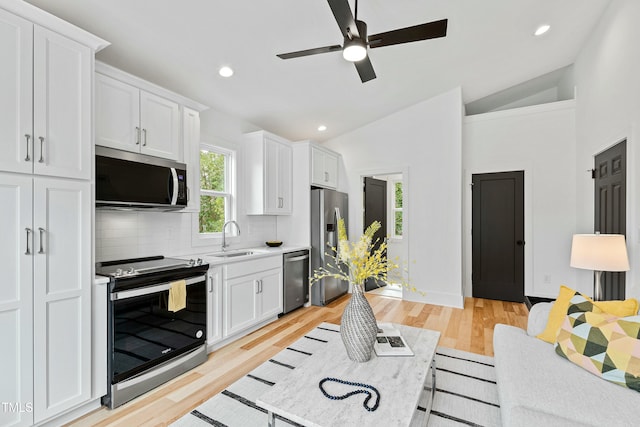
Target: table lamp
[(599, 252)]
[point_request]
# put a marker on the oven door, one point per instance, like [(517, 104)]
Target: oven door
[(144, 333)]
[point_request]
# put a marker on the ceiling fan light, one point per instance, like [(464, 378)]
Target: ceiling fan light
[(354, 50), (542, 29)]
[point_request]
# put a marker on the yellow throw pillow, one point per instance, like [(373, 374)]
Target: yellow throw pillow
[(559, 309), (557, 315), (628, 307)]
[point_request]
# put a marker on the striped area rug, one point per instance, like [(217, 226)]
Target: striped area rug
[(466, 392)]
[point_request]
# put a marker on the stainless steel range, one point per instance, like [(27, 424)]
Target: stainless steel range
[(149, 343)]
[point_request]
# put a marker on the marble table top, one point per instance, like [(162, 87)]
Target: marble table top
[(399, 379)]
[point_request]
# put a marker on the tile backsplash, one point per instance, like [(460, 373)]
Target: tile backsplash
[(133, 234)]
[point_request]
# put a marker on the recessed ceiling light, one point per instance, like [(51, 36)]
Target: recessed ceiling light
[(322, 128), (225, 71), (542, 29)]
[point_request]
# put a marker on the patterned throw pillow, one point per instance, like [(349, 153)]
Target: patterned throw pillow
[(603, 344), (560, 307)]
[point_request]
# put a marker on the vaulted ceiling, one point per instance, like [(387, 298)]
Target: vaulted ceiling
[(181, 45)]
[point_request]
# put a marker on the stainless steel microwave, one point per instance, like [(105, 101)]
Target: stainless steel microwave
[(128, 180)]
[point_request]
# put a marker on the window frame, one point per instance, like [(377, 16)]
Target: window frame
[(229, 193), (394, 209)]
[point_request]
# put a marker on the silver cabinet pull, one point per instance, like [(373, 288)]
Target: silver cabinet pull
[(28, 137), (41, 251), (41, 138), (28, 251), (144, 131), (260, 285), (137, 135), (210, 284), (326, 177), (257, 285)]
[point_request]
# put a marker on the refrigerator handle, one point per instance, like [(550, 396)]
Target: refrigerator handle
[(332, 236)]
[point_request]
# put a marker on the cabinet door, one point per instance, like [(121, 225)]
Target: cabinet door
[(331, 169), (214, 305), (317, 167), (62, 106), (62, 295), (285, 176), (278, 175), (240, 307), (16, 324), (271, 193), (271, 293), (117, 114), (191, 147), (16, 85), (160, 123)]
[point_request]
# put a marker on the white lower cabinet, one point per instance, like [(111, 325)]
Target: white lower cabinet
[(214, 306), (45, 300), (252, 293)]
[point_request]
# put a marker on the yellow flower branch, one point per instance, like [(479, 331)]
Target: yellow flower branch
[(357, 261)]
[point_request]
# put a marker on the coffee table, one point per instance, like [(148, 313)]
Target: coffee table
[(399, 379)]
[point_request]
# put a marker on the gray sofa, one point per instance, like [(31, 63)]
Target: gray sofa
[(537, 387)]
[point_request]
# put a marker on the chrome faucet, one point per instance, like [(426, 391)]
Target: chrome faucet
[(224, 235)]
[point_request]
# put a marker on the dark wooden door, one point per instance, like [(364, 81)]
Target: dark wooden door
[(498, 236), (611, 207), (375, 209)]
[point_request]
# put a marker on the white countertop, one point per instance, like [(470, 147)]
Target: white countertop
[(257, 252)]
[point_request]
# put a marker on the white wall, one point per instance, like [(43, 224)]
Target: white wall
[(122, 235), (607, 76), (540, 141), (424, 143)]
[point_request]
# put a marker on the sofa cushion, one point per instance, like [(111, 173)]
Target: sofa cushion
[(536, 387), (603, 344), (561, 305)]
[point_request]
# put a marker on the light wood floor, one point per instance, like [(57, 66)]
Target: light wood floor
[(468, 329)]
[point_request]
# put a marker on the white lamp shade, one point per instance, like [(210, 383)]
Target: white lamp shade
[(599, 252)]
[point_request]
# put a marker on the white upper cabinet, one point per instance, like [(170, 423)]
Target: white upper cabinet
[(46, 101), (268, 172), (128, 118), (117, 114), (324, 167), (191, 155)]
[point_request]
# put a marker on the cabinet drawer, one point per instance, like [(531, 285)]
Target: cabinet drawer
[(243, 268)]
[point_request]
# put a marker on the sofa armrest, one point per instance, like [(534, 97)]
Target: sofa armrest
[(538, 317)]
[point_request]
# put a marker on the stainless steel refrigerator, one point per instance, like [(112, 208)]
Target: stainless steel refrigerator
[(327, 206)]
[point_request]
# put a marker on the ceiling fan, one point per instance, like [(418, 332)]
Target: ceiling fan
[(356, 41)]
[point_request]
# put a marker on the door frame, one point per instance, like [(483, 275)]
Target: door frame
[(357, 207), (527, 168)]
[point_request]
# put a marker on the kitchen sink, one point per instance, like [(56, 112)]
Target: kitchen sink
[(231, 254)]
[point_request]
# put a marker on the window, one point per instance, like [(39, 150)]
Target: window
[(216, 188), (396, 209)]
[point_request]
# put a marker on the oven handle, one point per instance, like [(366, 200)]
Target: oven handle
[(115, 296)]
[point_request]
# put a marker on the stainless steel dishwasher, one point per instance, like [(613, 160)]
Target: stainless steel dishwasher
[(296, 279)]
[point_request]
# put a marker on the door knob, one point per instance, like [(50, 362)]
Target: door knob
[(520, 243)]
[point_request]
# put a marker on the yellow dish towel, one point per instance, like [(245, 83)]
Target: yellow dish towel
[(177, 295)]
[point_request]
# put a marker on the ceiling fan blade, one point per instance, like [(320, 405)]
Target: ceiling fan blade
[(308, 52), (430, 30), (365, 70), (344, 17)]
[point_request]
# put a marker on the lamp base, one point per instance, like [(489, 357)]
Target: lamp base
[(598, 291)]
